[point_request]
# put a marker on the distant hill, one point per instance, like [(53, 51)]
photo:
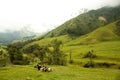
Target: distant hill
[(10, 36), (87, 22)]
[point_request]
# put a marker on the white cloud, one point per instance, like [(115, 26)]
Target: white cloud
[(43, 15)]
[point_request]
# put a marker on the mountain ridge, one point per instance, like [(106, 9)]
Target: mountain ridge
[(86, 22)]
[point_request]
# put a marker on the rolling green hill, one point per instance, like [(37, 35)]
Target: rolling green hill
[(92, 27), (101, 36), (109, 32), (87, 22), (107, 36)]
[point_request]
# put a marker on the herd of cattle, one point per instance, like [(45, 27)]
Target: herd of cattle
[(42, 68)]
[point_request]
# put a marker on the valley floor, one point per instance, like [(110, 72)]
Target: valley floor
[(70, 72)]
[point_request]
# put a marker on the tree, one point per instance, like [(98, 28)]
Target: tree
[(90, 63), (16, 55), (70, 60), (38, 51), (57, 56), (4, 57)]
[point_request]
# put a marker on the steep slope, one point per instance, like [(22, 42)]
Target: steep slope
[(84, 24), (109, 32), (87, 22)]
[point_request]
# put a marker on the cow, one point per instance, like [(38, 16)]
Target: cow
[(38, 67), (43, 68)]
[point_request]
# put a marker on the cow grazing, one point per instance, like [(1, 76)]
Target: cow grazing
[(43, 68), (38, 66)]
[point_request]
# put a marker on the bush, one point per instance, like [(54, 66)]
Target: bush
[(4, 58), (57, 57), (21, 62), (2, 62), (105, 64), (89, 64), (89, 54), (71, 61)]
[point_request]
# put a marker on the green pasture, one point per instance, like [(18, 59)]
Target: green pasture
[(70, 72), (106, 52)]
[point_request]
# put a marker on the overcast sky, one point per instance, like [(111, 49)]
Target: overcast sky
[(43, 15)]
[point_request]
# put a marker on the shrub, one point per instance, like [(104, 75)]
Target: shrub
[(2, 62), (89, 54), (105, 64), (57, 57), (89, 64), (71, 61)]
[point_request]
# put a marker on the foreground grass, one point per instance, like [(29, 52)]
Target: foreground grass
[(70, 72)]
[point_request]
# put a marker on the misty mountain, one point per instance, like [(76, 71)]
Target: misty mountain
[(9, 36)]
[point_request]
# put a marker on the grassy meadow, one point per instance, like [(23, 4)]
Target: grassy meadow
[(69, 72), (106, 52)]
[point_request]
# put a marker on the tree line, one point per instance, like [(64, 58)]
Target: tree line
[(50, 54)]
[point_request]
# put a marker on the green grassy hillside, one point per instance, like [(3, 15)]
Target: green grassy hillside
[(106, 52), (47, 41), (87, 22), (109, 32), (106, 41)]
